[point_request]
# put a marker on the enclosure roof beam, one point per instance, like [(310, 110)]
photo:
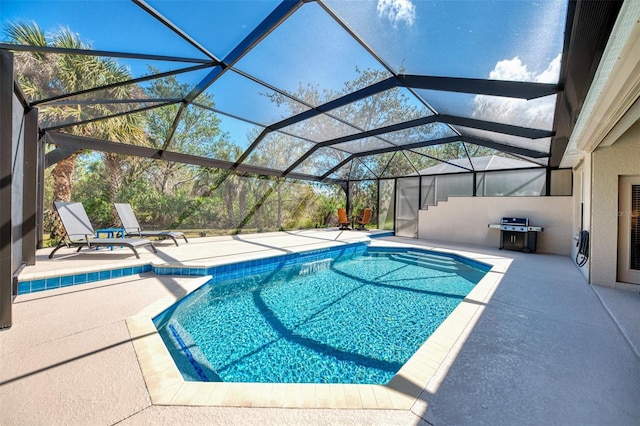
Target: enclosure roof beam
[(167, 23), (362, 135), (491, 126), (313, 112), (422, 144), (275, 18), (103, 53), (120, 84), (84, 143), (58, 154), (106, 117), (117, 101), (365, 92), (337, 166), (504, 148), (513, 89), (445, 161), (477, 141), (509, 89), (524, 132)]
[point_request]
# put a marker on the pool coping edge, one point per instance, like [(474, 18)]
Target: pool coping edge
[(423, 372)]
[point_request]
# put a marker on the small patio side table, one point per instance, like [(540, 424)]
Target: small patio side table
[(110, 233)]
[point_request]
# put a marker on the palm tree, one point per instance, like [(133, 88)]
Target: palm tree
[(44, 75)]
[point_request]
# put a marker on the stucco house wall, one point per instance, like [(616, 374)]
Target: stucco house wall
[(466, 219), (582, 206), (607, 165)]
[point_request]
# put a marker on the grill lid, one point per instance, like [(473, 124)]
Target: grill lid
[(518, 221)]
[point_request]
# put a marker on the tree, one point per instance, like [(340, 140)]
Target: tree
[(197, 133), (45, 75), (379, 110)]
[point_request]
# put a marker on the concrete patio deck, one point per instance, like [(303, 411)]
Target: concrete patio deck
[(543, 348)]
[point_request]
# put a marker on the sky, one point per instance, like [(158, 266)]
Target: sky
[(466, 38), (497, 39)]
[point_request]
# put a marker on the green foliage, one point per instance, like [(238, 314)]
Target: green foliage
[(91, 189), (167, 194), (230, 203), (364, 194)]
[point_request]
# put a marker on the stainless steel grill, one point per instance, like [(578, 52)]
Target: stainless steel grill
[(517, 224), (517, 234)]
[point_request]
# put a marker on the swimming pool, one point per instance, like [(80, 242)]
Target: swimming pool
[(342, 317)]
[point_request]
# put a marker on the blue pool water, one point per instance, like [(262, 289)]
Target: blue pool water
[(351, 319)]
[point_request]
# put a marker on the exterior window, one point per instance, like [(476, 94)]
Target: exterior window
[(635, 228)]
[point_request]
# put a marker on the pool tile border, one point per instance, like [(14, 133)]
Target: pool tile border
[(425, 370), (382, 234), (35, 284)]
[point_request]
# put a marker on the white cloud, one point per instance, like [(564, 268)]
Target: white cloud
[(397, 11), (536, 113), (510, 69), (552, 73), (515, 70)]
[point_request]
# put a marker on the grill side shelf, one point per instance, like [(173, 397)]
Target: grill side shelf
[(517, 235)]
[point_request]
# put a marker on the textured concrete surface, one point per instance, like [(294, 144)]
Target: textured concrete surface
[(544, 351), (270, 416), (624, 309)]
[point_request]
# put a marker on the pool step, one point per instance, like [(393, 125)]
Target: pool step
[(425, 262), (444, 264), (444, 260), (315, 266)]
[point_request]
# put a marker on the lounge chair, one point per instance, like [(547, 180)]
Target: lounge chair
[(80, 233), (132, 227), (343, 219), (363, 219)]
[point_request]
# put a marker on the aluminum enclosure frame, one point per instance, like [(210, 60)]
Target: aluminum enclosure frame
[(588, 26)]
